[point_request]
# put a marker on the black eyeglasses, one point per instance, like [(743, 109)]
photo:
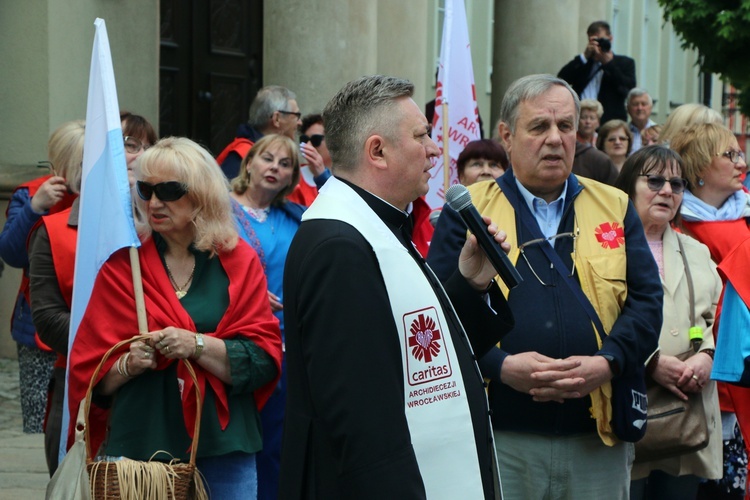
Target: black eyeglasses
[(295, 113), (165, 191), (134, 146), (316, 139), (656, 182), (733, 155), (537, 241)]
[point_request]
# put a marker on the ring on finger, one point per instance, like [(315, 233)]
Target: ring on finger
[(166, 348), (695, 377)]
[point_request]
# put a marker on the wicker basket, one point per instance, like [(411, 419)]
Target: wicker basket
[(137, 480)]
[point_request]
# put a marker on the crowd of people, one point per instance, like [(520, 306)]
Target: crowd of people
[(349, 342)]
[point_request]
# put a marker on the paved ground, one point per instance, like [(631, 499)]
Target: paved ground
[(23, 470)]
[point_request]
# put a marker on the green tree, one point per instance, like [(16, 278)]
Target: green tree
[(720, 31)]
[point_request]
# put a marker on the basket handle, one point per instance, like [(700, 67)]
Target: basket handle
[(198, 397)]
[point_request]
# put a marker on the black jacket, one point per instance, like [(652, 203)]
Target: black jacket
[(346, 433), (594, 164), (618, 79)]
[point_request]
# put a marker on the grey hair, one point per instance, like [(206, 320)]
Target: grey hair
[(267, 101), (528, 88), (638, 92), (362, 107)]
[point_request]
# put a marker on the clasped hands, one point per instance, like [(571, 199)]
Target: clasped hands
[(549, 379), (682, 377), (171, 342)]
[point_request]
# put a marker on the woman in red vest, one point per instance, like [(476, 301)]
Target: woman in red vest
[(52, 256), (30, 201), (716, 211)]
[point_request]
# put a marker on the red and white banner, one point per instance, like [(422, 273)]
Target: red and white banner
[(455, 87)]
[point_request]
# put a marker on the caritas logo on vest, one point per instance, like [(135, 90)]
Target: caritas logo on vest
[(427, 359), (428, 365)]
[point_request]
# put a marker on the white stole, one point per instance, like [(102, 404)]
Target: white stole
[(437, 410)]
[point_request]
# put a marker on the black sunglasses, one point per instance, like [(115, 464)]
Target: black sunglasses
[(316, 139), (656, 182), (165, 191)]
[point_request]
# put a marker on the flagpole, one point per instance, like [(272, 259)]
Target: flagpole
[(105, 221), (140, 302), (446, 141)]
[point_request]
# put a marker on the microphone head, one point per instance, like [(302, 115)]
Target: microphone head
[(457, 197)]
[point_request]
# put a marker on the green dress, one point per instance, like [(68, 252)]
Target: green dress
[(146, 412)]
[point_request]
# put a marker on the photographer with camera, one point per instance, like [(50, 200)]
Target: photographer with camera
[(600, 74)]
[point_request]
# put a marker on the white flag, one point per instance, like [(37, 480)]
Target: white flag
[(105, 217), (455, 86)]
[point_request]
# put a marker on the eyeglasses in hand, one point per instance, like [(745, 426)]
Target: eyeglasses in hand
[(537, 241)]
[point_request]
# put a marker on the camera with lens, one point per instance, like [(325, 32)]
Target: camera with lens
[(604, 43)]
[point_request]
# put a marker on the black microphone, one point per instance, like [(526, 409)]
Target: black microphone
[(459, 199)]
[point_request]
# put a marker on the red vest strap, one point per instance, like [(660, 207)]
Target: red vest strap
[(239, 145), (62, 241)]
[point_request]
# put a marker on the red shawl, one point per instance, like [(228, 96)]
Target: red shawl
[(111, 317)]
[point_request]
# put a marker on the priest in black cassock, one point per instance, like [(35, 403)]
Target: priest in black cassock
[(385, 399)]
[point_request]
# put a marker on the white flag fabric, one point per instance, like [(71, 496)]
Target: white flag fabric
[(105, 220), (455, 86)]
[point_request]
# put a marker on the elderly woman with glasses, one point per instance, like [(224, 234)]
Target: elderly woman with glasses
[(716, 211), (52, 254), (653, 179), (30, 201), (205, 297), (616, 140)]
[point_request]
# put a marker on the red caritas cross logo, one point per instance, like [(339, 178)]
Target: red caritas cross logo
[(423, 337), (610, 235)]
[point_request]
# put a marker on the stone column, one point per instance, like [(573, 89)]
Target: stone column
[(534, 36), (46, 49), (315, 47)]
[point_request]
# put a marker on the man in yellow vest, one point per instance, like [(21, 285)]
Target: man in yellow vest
[(550, 378)]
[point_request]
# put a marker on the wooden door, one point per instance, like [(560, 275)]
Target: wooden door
[(210, 67)]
